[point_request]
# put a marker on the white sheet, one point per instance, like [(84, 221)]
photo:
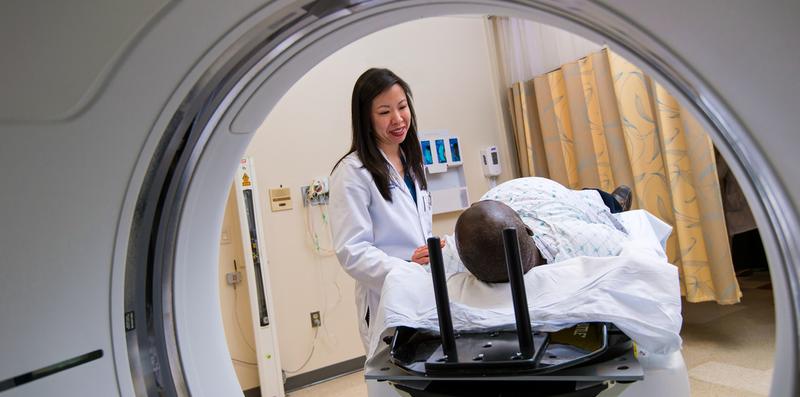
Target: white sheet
[(638, 291)]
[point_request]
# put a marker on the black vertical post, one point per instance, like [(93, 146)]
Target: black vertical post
[(518, 292), (442, 299)]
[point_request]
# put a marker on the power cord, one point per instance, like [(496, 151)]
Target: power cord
[(239, 325), (238, 322), (242, 362), (310, 354), (311, 233), (317, 192), (321, 278)]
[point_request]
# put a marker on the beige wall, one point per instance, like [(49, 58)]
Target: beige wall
[(235, 302), (446, 62)]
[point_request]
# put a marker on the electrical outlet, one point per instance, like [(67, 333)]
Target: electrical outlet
[(316, 320)]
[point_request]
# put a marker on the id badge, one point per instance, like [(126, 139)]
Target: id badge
[(428, 202)]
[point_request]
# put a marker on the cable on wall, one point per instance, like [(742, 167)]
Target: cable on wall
[(239, 325), (316, 195), (310, 354)]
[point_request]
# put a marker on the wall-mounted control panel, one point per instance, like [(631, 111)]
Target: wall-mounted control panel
[(280, 199)]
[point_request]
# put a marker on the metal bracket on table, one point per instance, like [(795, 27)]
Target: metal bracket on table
[(532, 357)]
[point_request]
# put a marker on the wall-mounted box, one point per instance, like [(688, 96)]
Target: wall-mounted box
[(440, 149), (441, 155), (280, 199)]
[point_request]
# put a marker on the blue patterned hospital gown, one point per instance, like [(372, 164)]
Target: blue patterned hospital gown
[(566, 223)]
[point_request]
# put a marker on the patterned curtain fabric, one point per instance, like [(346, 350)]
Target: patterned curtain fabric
[(601, 122)]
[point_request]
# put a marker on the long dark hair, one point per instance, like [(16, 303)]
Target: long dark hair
[(371, 83)]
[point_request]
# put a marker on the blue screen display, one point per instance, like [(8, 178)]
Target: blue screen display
[(455, 152), (427, 156), (442, 157)]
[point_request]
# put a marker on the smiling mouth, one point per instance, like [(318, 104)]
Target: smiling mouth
[(398, 131)]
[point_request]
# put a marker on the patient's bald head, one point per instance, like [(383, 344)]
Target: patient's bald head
[(479, 240)]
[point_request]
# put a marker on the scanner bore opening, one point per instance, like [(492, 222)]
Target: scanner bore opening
[(153, 348)]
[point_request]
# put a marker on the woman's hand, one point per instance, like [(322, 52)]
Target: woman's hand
[(421, 256)]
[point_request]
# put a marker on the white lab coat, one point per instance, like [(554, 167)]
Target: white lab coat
[(372, 235)]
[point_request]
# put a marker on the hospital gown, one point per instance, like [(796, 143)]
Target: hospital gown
[(566, 223)]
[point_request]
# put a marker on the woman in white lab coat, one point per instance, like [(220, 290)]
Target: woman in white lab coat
[(380, 209)]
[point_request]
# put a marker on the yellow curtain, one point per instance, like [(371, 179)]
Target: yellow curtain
[(601, 122)]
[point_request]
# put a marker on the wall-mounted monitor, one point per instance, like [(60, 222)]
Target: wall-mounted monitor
[(454, 150), (427, 155), (441, 151)]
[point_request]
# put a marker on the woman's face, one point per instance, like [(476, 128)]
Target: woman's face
[(391, 117)]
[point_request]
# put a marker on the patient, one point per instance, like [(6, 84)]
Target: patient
[(553, 224), (603, 273)]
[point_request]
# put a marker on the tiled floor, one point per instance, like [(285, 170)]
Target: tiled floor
[(728, 349)]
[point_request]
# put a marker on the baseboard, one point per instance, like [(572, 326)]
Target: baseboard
[(318, 375), (322, 374), (254, 392)]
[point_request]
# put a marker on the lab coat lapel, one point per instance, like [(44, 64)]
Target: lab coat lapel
[(419, 206), (397, 179)]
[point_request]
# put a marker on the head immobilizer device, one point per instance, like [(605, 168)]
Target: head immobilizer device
[(583, 360)]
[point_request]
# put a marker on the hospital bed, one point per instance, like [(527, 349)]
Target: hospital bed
[(592, 358)]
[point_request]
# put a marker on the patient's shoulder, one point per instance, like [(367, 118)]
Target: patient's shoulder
[(528, 187)]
